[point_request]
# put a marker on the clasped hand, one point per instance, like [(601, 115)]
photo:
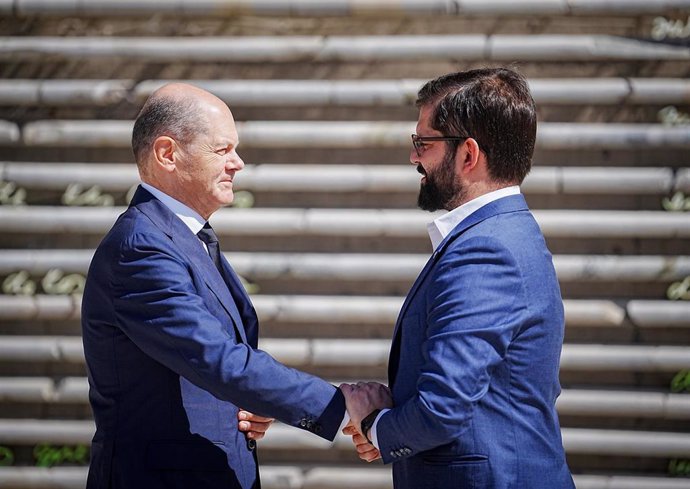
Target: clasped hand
[(361, 399)]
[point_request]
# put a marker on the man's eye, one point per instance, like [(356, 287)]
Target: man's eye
[(223, 151)]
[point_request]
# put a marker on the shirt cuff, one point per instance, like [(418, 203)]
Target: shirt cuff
[(346, 420), (374, 438)]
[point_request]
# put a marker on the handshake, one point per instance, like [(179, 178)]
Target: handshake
[(361, 400)]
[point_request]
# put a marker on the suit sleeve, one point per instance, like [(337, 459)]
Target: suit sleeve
[(158, 308), (473, 311)]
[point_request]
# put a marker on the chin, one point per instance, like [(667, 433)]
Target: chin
[(226, 197)]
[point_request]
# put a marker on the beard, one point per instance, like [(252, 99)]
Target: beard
[(442, 187)]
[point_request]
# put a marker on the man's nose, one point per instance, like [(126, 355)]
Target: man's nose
[(236, 162), (414, 157)]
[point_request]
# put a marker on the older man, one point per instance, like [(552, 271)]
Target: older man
[(474, 363), (170, 334)]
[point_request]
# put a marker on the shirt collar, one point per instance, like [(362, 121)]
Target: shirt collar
[(442, 226), (188, 216)]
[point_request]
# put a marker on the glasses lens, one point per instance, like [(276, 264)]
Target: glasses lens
[(417, 144)]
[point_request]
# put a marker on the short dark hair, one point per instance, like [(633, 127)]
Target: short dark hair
[(179, 118), (492, 105)]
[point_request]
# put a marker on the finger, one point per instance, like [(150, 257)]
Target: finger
[(247, 426), (350, 430), (255, 435), (246, 415), (359, 439), (364, 448), (370, 456)]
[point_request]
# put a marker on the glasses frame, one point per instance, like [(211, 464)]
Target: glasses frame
[(418, 141)]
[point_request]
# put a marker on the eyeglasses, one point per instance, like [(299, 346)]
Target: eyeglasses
[(420, 141)]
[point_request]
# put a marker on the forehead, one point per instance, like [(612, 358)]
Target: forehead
[(221, 125), (426, 112)]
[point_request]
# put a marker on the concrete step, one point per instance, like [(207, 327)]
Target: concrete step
[(370, 310), (279, 222), (9, 133), (572, 402), (357, 310), (17, 432), (551, 180), (368, 266), (343, 49), (361, 93), (309, 477), (352, 134), (343, 353), (354, 8)]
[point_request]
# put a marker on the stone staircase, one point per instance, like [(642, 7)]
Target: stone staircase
[(325, 230)]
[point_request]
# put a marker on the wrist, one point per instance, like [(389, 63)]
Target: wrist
[(368, 422)]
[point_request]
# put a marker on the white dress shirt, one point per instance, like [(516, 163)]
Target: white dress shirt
[(439, 229), (190, 217), (443, 225)]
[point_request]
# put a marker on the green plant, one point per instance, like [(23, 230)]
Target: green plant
[(6, 457), (49, 456), (681, 381), (679, 468)]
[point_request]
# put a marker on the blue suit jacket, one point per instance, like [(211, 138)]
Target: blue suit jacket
[(474, 362), (170, 348)]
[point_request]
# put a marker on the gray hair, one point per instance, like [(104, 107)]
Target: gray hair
[(178, 118)]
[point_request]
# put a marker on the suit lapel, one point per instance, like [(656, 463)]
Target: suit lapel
[(394, 355), (190, 245), (199, 258), (504, 205), (418, 281), (242, 301)]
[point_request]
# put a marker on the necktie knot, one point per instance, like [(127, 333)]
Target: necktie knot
[(207, 235)]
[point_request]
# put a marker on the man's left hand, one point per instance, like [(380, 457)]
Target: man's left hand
[(253, 425)]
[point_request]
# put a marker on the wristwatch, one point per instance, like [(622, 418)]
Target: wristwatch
[(368, 422)]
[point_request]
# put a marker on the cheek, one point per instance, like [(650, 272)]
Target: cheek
[(209, 172)]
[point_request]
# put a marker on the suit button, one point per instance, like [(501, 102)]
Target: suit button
[(251, 444), (317, 429), (407, 451), (393, 454), (303, 423), (310, 425)]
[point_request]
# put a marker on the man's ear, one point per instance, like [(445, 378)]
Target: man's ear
[(164, 149), (468, 155)]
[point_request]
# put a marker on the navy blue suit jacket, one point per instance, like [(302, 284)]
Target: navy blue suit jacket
[(170, 348), (474, 362)]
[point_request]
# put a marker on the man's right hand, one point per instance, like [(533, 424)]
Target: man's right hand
[(365, 450), (361, 399)]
